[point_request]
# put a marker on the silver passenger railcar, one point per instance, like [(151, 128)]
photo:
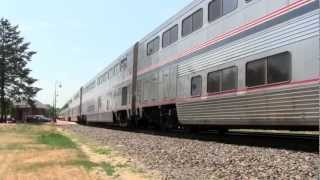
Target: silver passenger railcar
[(215, 64)]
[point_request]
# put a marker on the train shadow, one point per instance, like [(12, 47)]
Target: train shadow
[(292, 142)]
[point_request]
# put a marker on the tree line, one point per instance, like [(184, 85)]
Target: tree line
[(16, 84)]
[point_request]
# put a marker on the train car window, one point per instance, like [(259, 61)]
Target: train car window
[(222, 80), (170, 36), (197, 20), (187, 26), (229, 6), (174, 33), (229, 79), (214, 82), (196, 86), (215, 10), (153, 46), (256, 73), (166, 39), (192, 23), (123, 65), (279, 68), (273, 69), (218, 8), (124, 99)]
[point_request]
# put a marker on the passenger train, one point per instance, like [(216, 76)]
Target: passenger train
[(216, 64)]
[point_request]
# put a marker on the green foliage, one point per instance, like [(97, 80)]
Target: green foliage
[(57, 141), (103, 151), (88, 165), (108, 168), (16, 85)]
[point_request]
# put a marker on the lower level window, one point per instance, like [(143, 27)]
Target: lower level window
[(222, 80), (196, 86), (269, 70)]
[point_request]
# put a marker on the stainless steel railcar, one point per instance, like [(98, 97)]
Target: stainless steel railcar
[(218, 64)]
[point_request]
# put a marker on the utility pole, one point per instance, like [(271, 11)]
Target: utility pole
[(56, 86)]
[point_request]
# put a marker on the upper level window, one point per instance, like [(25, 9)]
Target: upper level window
[(222, 80), (192, 23), (218, 8), (123, 64), (170, 36), (269, 70), (153, 46), (196, 86)]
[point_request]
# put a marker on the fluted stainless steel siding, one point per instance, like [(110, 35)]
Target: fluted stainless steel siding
[(301, 28), (294, 106)]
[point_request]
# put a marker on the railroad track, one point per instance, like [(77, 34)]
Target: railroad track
[(181, 155), (278, 140)]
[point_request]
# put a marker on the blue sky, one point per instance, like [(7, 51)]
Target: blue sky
[(75, 39)]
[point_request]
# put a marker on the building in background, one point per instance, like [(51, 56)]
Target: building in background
[(22, 110)]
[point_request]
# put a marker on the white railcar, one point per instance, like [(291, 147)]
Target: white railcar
[(216, 63)]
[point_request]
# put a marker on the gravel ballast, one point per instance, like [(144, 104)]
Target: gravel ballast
[(183, 158)]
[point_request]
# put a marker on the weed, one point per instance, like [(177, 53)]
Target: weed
[(88, 165), (55, 140), (108, 168), (103, 151)]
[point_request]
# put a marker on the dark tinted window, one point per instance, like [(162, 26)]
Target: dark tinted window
[(197, 20), (192, 23), (218, 8), (174, 34), (124, 99), (222, 80), (279, 68), (273, 69), (229, 5), (153, 46), (229, 79), (187, 26), (196, 86), (123, 64), (170, 36), (215, 10), (166, 39), (256, 73), (214, 82)]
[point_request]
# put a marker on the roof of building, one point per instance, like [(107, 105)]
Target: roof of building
[(37, 105)]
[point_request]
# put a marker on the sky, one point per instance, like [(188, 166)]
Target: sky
[(76, 39)]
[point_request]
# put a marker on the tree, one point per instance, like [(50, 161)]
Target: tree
[(16, 85)]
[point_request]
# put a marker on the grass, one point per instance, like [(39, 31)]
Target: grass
[(88, 165), (35, 166), (14, 146), (108, 168), (33, 151), (103, 151), (56, 141)]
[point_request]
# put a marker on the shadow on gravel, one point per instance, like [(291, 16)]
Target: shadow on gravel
[(303, 143)]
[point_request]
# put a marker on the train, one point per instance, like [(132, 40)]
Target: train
[(216, 64)]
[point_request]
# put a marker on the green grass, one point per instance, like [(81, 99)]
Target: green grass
[(57, 141), (108, 168), (88, 165), (103, 151)]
